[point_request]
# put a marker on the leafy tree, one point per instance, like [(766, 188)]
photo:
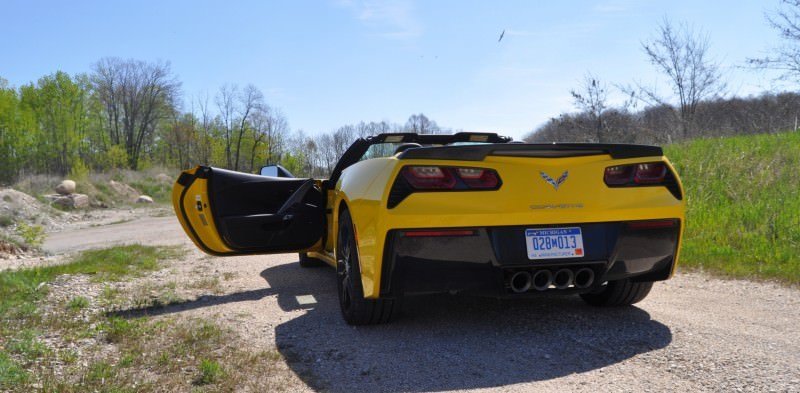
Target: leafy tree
[(59, 105)]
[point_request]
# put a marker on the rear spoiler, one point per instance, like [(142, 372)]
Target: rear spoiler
[(553, 150)]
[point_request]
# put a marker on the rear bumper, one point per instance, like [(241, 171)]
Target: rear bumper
[(483, 262)]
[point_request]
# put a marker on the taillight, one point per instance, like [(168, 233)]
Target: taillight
[(478, 178), (618, 175), (651, 173), (635, 174), (429, 177), (441, 178)]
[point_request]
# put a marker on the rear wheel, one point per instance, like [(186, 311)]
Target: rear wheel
[(618, 293), (357, 310), (308, 262)]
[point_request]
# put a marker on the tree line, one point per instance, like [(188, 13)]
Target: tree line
[(128, 114), (695, 103)]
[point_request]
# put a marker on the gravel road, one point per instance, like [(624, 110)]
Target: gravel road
[(693, 333)]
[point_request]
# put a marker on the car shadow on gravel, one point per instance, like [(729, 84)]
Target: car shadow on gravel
[(441, 342), (451, 342)]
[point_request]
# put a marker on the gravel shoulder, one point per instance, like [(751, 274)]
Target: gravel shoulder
[(693, 333)]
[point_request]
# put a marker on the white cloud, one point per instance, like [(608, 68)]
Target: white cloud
[(393, 19)]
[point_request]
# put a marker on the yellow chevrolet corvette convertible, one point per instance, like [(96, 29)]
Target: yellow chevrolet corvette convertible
[(476, 213)]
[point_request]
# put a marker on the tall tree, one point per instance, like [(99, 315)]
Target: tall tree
[(591, 99), (786, 57), (136, 95), (226, 105), (682, 55), (59, 104), (250, 100)]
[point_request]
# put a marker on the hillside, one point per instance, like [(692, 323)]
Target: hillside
[(743, 218)]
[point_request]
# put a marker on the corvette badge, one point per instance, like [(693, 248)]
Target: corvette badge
[(555, 183)]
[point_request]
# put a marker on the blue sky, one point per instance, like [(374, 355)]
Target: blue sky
[(329, 63)]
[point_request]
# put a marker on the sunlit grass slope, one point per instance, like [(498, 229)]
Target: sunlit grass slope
[(743, 218)]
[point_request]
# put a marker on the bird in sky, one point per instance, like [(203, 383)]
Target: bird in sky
[(501, 36)]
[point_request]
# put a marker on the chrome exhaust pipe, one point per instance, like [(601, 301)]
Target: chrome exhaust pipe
[(584, 278), (520, 282), (563, 278), (542, 280)]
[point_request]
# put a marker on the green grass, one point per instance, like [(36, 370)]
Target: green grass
[(78, 303), (743, 217), (11, 374), (21, 291), (160, 192), (210, 372)]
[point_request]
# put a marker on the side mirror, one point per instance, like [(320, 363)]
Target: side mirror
[(275, 171)]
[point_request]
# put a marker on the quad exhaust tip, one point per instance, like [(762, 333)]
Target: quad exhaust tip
[(563, 278), (584, 278), (520, 282), (542, 280)]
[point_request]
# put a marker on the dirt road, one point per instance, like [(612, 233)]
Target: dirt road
[(693, 333)]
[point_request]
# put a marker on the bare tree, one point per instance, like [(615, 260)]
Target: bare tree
[(269, 128), (682, 55), (250, 100), (135, 95), (591, 99), (786, 57), (204, 146), (342, 138), (227, 111), (420, 124), (327, 156), (277, 129)]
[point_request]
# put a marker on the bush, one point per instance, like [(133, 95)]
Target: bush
[(32, 235), (210, 372), (79, 171)]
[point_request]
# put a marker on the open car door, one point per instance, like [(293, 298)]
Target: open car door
[(233, 213)]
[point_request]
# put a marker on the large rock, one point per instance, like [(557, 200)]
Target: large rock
[(123, 190), (71, 201), (163, 178), (66, 187), (144, 199)]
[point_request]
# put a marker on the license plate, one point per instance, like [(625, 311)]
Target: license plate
[(554, 243)]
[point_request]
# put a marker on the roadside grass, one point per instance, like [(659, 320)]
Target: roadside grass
[(126, 353), (743, 217)]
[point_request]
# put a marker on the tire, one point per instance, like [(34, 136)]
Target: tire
[(618, 293), (308, 262), (356, 310)]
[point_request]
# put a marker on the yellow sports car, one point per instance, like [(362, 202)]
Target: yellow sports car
[(406, 214)]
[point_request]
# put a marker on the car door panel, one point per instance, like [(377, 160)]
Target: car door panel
[(232, 213)]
